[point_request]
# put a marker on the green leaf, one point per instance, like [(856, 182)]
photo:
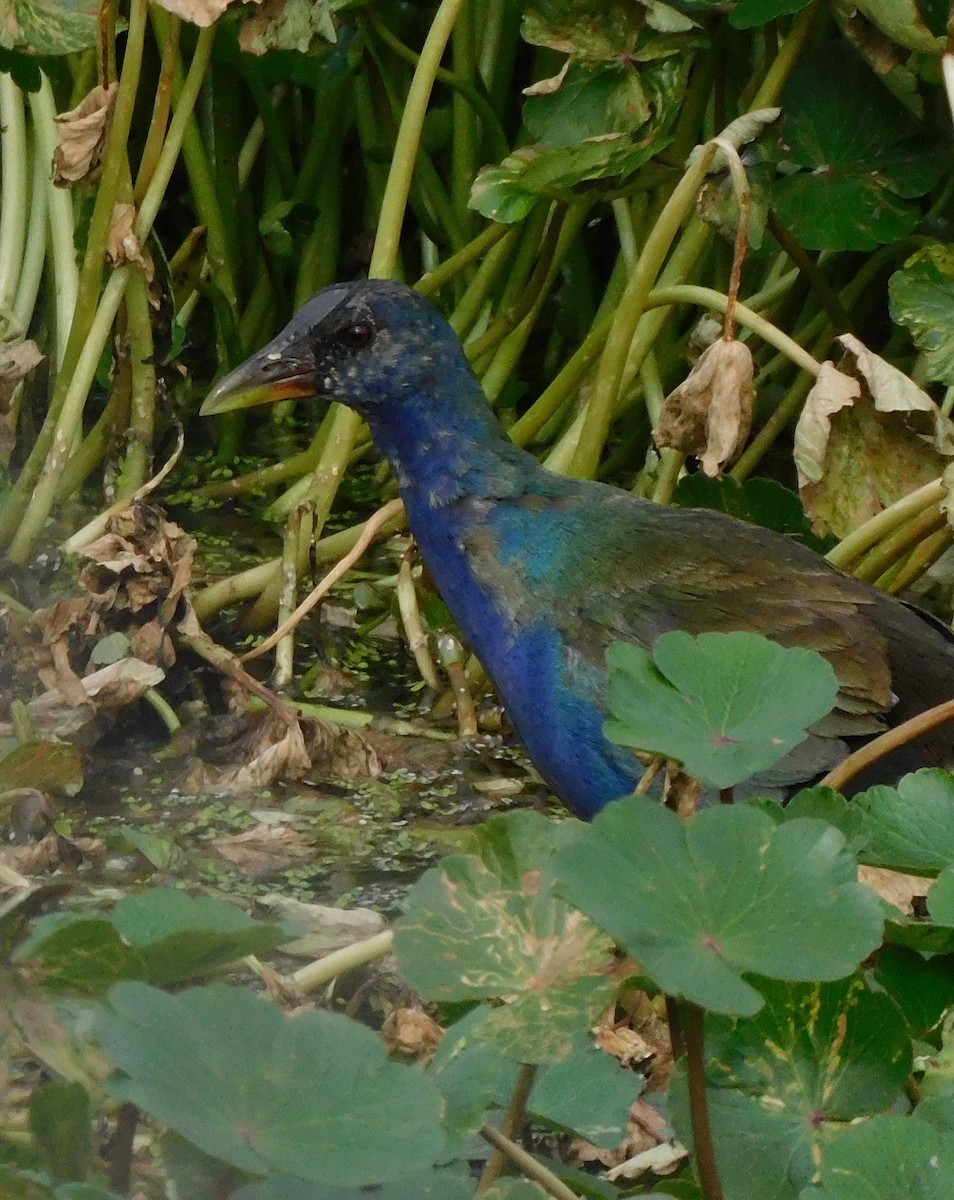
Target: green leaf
[(940, 899), (314, 1096), (887, 1158), (759, 501), (922, 300), (48, 766), (782, 1084), (910, 828), (83, 956), (752, 14), (730, 892), (725, 705), (825, 804), (61, 1121), (489, 926), (855, 141), (922, 988), (442, 1183), (473, 1077), (49, 26), (181, 937), (589, 1095)]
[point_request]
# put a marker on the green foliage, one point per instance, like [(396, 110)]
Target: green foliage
[(496, 912), (724, 705), (861, 161), (922, 300), (698, 904), (184, 1059)]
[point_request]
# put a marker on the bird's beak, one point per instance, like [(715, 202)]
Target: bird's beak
[(282, 370)]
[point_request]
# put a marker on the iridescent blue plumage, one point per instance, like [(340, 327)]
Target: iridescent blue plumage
[(543, 573)]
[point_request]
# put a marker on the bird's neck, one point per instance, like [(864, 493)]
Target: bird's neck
[(446, 451)]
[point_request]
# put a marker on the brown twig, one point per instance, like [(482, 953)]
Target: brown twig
[(883, 745)]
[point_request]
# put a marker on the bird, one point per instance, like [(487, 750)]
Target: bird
[(543, 572)]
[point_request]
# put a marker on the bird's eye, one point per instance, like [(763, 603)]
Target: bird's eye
[(356, 337)]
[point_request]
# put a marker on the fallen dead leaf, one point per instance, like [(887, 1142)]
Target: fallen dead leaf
[(411, 1032), (82, 137), (265, 850), (906, 892), (709, 415), (328, 929)]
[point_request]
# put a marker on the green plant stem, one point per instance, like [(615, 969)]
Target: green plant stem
[(514, 1120), (163, 709), (898, 544), (14, 511), (160, 108), (384, 257), (384, 261), (67, 423), (463, 86), (34, 252), (785, 61), (613, 360), (475, 249), (465, 137), (138, 466), (694, 1031), (323, 970), (13, 190), (885, 523), (923, 556), (689, 293), (527, 1165), (471, 305)]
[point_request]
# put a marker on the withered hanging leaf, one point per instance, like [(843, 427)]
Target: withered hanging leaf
[(867, 436), (199, 12), (298, 25), (17, 360), (709, 414), (82, 136), (122, 245)]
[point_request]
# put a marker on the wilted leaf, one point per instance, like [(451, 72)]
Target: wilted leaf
[(271, 748), (122, 245), (264, 850), (411, 1032), (82, 137), (17, 360), (199, 12), (322, 927), (902, 22), (290, 25), (866, 437), (488, 926), (709, 414)]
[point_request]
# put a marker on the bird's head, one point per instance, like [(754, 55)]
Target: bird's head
[(372, 345)]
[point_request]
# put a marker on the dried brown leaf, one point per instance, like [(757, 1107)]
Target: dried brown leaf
[(328, 929), (411, 1032), (82, 137), (906, 892), (199, 12), (123, 246), (270, 749), (866, 437), (17, 360), (709, 415), (265, 850)]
